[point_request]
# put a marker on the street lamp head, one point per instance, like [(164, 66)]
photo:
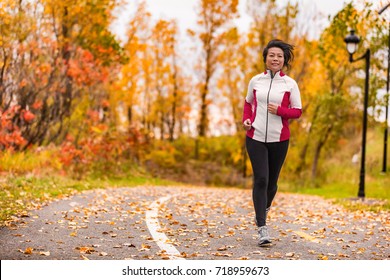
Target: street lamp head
[(352, 42)]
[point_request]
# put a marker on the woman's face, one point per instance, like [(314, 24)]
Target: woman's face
[(275, 59)]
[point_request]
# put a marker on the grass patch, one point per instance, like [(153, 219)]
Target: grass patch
[(345, 192), (370, 204)]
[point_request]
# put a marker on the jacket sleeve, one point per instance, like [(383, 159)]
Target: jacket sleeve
[(248, 103), (294, 111), (289, 113)]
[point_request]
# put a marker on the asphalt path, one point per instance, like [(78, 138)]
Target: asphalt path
[(193, 223)]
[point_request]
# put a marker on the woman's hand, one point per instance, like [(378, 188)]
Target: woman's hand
[(247, 124), (273, 108)]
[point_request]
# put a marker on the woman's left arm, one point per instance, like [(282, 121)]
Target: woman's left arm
[(294, 111)]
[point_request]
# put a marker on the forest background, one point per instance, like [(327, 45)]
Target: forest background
[(80, 109)]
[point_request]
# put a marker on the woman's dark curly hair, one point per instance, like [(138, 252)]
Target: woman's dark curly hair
[(285, 47)]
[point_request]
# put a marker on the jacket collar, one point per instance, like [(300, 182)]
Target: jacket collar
[(277, 74)]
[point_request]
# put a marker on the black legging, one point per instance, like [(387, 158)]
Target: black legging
[(267, 160)]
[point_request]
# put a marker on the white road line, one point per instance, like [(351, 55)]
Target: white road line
[(155, 230)]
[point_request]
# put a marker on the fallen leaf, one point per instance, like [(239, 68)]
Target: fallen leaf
[(129, 245), (28, 251), (224, 248), (145, 247), (85, 250), (258, 253), (222, 255), (343, 255), (44, 253)]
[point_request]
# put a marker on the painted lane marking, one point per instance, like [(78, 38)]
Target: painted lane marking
[(155, 230), (307, 236)]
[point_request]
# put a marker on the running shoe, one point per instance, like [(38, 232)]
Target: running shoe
[(264, 237)]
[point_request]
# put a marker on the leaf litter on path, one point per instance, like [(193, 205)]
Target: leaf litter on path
[(206, 223)]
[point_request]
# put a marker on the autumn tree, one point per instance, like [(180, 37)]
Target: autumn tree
[(213, 17), (335, 112), (50, 62), (127, 89), (231, 83), (167, 75)]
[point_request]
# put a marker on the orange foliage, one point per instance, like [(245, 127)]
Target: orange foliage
[(10, 135), (28, 116), (85, 69), (102, 149)]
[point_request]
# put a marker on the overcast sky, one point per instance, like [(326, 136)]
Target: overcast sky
[(185, 13)]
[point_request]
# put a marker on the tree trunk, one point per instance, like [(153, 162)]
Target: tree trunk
[(173, 109), (318, 150), (130, 114), (203, 109), (302, 154)]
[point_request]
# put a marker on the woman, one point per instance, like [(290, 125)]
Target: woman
[(272, 99)]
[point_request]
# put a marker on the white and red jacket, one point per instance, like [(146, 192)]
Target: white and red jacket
[(264, 89)]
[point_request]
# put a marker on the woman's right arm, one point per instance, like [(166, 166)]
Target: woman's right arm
[(248, 103)]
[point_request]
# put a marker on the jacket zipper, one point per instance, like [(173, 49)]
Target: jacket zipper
[(266, 109)]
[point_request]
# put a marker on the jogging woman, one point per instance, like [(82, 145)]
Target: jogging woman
[(272, 99)]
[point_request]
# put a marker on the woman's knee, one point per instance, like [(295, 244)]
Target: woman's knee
[(260, 182)]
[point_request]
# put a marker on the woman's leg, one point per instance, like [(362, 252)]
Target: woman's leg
[(276, 155), (258, 155)]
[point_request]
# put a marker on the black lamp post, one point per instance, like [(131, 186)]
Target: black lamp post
[(384, 166), (352, 43)]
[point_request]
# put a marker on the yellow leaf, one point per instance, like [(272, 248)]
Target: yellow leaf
[(224, 248), (86, 250), (146, 247), (222, 255), (258, 253), (28, 251)]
